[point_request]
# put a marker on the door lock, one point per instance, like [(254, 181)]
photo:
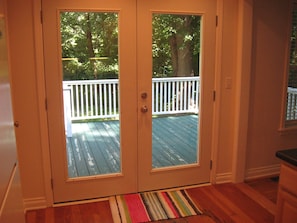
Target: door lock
[(144, 95), (144, 109)]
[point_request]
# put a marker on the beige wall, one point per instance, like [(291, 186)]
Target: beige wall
[(228, 12), (267, 78), (263, 138), (24, 86)]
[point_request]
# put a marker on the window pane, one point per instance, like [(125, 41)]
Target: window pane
[(176, 89), (291, 114), (89, 42)]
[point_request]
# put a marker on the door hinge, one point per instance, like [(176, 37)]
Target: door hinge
[(41, 17), (52, 184), (214, 96), (210, 165), (45, 104), (217, 21)]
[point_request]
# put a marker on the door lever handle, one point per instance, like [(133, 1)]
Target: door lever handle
[(144, 109)]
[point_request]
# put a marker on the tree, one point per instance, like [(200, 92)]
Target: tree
[(176, 44), (90, 45)]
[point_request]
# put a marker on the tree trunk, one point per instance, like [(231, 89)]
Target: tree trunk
[(181, 50), (90, 46), (174, 54)]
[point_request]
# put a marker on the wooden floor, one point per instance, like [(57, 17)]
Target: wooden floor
[(94, 147), (253, 201)]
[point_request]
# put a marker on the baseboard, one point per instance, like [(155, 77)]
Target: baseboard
[(34, 203), (223, 178), (262, 172), (252, 173)]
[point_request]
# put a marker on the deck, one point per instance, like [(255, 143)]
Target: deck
[(94, 146)]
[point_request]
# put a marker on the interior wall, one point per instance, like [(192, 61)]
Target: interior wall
[(25, 99), (270, 26), (226, 77)]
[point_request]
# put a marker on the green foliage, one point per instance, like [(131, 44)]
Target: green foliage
[(90, 45), (173, 34)]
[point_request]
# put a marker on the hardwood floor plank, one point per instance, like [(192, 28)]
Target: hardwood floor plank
[(227, 205), (258, 197), (49, 215), (219, 203), (266, 186), (208, 204), (253, 210), (31, 217)]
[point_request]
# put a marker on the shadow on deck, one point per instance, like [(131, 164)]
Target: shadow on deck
[(94, 147)]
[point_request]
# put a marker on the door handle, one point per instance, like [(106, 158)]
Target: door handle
[(144, 109)]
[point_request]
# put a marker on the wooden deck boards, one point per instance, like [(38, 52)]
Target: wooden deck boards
[(94, 147)]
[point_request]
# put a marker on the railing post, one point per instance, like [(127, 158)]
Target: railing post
[(67, 110)]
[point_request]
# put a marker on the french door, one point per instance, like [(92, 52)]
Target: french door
[(129, 94)]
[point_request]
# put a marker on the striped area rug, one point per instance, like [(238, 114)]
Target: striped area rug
[(152, 206)]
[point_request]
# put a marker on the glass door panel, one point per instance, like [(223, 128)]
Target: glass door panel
[(90, 75), (175, 69), (89, 43), (175, 93)]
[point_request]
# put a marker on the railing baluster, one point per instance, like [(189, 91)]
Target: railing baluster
[(100, 101), (153, 96), (114, 95), (178, 95), (196, 95), (72, 100), (157, 98), (77, 102), (169, 96), (105, 104), (174, 96), (109, 100), (193, 98), (161, 97), (189, 107), (86, 100), (91, 113), (95, 92), (82, 100), (185, 95), (165, 98)]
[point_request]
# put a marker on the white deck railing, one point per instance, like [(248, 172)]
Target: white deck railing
[(93, 99), (292, 104)]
